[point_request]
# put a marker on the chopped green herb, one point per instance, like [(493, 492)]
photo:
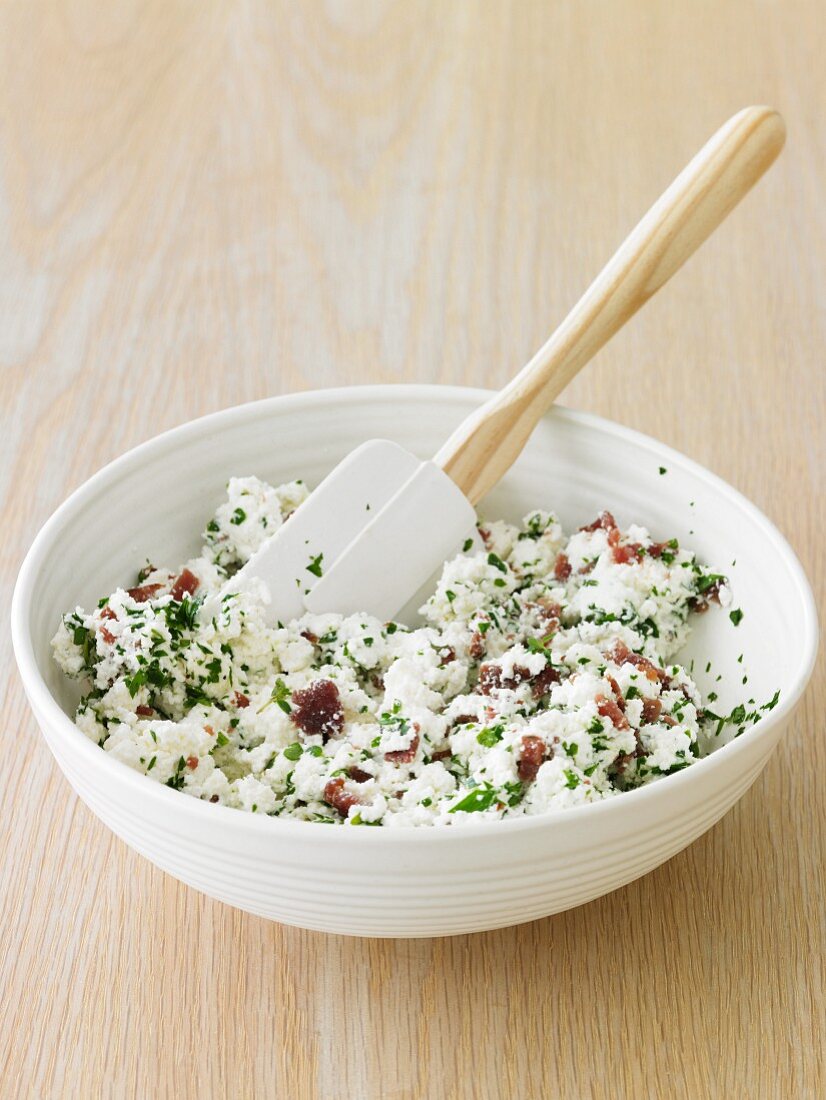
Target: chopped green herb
[(497, 563), (476, 800), (136, 682), (281, 696), (176, 781), (772, 703), (315, 565), (490, 736)]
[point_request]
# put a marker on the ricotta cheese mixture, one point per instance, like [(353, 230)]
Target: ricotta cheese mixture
[(542, 678)]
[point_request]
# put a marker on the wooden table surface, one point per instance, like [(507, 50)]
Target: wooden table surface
[(204, 204)]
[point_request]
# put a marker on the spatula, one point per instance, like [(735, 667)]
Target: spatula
[(379, 526)]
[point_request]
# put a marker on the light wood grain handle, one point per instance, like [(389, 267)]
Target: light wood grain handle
[(487, 443)]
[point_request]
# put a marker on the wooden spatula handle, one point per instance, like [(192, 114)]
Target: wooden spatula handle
[(485, 445)]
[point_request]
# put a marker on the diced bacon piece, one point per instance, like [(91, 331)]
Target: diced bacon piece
[(240, 700), (628, 554), (542, 683), (143, 711), (617, 693), (311, 638), (651, 671), (588, 567), (609, 708), (531, 757), (712, 594), (108, 613), (651, 710), (605, 521), (215, 798), (317, 709), (622, 761), (143, 592), (484, 535), (491, 678), (448, 654), (622, 655), (656, 549), (476, 649), (562, 568), (359, 775), (192, 762), (622, 555), (185, 584), (625, 758), (443, 754), (669, 720), (701, 604), (107, 634), (340, 799), (405, 756), (549, 613)]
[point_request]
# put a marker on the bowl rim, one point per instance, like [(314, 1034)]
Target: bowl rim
[(43, 702)]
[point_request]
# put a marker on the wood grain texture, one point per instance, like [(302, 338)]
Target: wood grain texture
[(202, 204)]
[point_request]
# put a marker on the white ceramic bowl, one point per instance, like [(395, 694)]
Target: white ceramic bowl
[(153, 502)]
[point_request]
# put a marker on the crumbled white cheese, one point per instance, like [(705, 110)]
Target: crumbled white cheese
[(540, 680), (252, 512)]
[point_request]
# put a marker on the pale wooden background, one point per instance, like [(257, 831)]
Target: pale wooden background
[(202, 204)]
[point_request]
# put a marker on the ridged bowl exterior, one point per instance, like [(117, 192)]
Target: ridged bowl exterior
[(415, 882)]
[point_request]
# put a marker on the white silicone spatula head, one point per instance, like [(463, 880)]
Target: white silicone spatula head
[(384, 521), (373, 532)]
